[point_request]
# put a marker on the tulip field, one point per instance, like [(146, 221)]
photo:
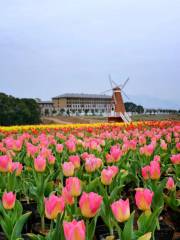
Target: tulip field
[(90, 182)]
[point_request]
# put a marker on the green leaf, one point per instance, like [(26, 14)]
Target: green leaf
[(115, 193), (58, 232), (92, 185), (91, 228), (35, 237), (158, 200), (148, 223), (6, 229), (128, 233), (146, 236), (118, 229), (19, 226)]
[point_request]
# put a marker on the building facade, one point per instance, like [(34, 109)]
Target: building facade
[(46, 107), (83, 103)]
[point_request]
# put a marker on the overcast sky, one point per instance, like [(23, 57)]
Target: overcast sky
[(50, 47)]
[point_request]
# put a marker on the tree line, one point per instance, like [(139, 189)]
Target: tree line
[(132, 107), (16, 111)]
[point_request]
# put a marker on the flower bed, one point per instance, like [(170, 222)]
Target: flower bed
[(114, 181)]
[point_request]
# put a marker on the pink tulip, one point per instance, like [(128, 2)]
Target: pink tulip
[(68, 198), (17, 167), (147, 150), (84, 155), (121, 210), (114, 169), (40, 164), (175, 159), (143, 198), (5, 163), (178, 146), (59, 148), (92, 164), (170, 183), (155, 170), (163, 145), (71, 146), (31, 149), (106, 176), (115, 153), (109, 158), (8, 200), (90, 204), (51, 159), (45, 152), (53, 206), (75, 160), (145, 172), (73, 185), (68, 169), (157, 158), (74, 230)]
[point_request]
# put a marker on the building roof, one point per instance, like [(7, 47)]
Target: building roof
[(83, 95), (45, 102)]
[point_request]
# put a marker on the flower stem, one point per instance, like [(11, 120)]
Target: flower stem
[(42, 223)]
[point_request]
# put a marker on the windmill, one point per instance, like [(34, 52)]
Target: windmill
[(120, 113)]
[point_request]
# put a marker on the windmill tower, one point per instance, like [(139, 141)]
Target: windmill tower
[(120, 114)]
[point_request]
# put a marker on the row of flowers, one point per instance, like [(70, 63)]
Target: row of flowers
[(121, 175)]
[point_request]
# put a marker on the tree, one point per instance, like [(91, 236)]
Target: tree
[(61, 111), (68, 112), (132, 107), (15, 111), (139, 109), (46, 112), (86, 111)]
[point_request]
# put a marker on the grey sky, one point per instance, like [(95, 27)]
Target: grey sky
[(49, 47)]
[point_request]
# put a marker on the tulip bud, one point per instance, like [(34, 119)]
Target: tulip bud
[(68, 169), (40, 164), (163, 145), (74, 230), (73, 185), (59, 148), (68, 198), (143, 198), (175, 159), (5, 163), (155, 170), (71, 146), (157, 158), (116, 153), (17, 167), (121, 210), (8, 200), (90, 204), (170, 184), (51, 159), (114, 169), (145, 172), (106, 176), (75, 160), (53, 206)]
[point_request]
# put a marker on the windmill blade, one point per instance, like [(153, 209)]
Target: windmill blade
[(110, 80), (116, 85), (125, 83), (106, 91), (125, 95)]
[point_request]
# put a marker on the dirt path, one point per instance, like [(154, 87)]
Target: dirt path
[(54, 120)]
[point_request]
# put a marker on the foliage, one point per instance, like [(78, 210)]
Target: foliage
[(15, 111)]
